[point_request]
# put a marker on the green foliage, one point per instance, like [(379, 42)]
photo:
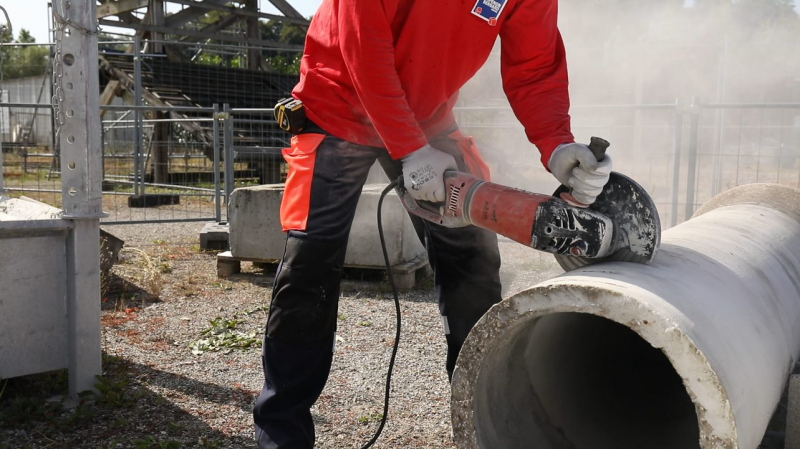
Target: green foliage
[(286, 62), (264, 309), (365, 419), (289, 65), (113, 392), (21, 62), (23, 401), (224, 336)]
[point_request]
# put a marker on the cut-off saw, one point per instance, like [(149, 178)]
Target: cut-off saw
[(621, 225)]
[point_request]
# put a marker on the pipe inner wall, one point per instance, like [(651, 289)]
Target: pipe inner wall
[(573, 380)]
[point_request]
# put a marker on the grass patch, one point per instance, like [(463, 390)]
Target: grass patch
[(38, 401)]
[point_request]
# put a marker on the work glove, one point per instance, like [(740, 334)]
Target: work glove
[(574, 165), (423, 173)]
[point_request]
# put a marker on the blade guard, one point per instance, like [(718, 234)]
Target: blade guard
[(636, 224)]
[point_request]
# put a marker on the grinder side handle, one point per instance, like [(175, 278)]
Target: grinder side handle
[(598, 147)]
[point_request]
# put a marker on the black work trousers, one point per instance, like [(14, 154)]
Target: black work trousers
[(299, 340)]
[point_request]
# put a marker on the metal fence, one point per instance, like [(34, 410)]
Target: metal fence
[(166, 157), (173, 151), (683, 153)]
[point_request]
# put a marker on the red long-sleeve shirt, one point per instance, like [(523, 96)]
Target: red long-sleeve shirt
[(386, 73)]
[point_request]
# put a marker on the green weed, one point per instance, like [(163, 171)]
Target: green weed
[(224, 336), (368, 418)]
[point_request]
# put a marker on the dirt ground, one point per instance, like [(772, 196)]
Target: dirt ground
[(182, 366)]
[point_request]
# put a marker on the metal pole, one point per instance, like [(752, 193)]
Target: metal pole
[(691, 176), (719, 120), (77, 106), (2, 189), (137, 93), (229, 153), (676, 164), (217, 197)]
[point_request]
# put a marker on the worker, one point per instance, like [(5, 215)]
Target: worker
[(378, 81)]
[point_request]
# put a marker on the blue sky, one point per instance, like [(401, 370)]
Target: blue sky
[(32, 14)]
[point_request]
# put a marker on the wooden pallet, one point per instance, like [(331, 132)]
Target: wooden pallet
[(406, 274)]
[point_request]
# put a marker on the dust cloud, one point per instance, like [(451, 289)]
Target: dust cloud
[(637, 52)]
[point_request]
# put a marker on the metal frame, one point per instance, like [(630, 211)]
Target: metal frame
[(81, 190)]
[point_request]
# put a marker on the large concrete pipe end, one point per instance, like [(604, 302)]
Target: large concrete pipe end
[(692, 351)]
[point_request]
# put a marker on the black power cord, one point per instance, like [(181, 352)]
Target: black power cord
[(389, 273)]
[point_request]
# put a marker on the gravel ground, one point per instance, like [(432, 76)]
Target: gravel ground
[(163, 295)]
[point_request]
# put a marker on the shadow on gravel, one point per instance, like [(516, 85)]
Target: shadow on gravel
[(128, 413), (230, 396), (366, 282), (120, 294)]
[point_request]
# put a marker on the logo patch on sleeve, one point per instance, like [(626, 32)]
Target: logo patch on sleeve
[(489, 10)]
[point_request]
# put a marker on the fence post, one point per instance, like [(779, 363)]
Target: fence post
[(2, 189), (78, 115), (215, 133), (227, 142), (691, 177), (676, 163), (137, 93)]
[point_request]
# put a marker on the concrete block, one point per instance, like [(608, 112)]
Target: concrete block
[(793, 414), (214, 236), (33, 278), (25, 208), (255, 228), (33, 325)]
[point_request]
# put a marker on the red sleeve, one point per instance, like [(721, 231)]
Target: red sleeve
[(368, 51), (534, 68)]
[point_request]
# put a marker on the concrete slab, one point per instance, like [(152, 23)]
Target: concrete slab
[(255, 229), (215, 237)]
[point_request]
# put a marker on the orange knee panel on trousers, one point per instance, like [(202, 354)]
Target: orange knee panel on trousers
[(301, 158)]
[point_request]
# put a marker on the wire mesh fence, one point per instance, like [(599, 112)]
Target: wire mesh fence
[(186, 123), (682, 154), (177, 139), (160, 165), (30, 163), (746, 143)]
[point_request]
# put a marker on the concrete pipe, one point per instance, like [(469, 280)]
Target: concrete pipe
[(691, 351)]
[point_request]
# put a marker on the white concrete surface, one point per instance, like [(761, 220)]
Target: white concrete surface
[(691, 351), (33, 279), (255, 228)]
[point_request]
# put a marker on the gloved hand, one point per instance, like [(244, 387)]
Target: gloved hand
[(574, 165), (423, 172)]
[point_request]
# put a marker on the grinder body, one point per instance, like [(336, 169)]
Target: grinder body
[(543, 222), (622, 224)]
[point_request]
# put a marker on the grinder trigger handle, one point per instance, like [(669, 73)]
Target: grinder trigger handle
[(423, 209)]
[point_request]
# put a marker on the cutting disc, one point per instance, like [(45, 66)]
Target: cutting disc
[(637, 227)]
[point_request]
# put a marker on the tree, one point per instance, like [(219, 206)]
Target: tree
[(283, 61), (23, 61)]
